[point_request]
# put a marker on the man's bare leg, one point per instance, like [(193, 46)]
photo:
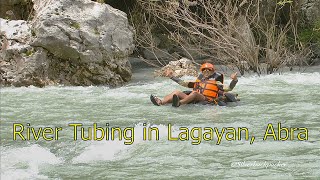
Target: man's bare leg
[(168, 98), (193, 96)]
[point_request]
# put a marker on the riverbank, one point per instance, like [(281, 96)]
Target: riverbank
[(141, 70)]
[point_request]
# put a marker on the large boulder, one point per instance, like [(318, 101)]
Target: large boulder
[(20, 64), (77, 42)]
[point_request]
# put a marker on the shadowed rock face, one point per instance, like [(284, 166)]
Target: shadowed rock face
[(71, 42), (311, 10), (15, 9)]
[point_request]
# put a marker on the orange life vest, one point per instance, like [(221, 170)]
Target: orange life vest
[(208, 88)]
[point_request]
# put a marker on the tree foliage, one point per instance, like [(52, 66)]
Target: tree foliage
[(235, 33)]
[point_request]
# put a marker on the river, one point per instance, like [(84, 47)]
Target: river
[(291, 99)]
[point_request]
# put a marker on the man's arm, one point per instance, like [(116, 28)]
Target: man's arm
[(169, 73), (232, 83), (182, 83)]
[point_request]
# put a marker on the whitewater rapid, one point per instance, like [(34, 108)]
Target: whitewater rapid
[(291, 98)]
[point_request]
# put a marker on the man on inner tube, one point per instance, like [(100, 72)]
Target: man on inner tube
[(207, 89)]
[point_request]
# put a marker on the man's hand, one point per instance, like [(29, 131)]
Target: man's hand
[(169, 73), (234, 76)]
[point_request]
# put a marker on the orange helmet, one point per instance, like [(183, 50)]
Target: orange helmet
[(207, 66)]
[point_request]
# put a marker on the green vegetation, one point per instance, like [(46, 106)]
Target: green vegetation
[(311, 34), (28, 12), (284, 2), (101, 1), (26, 1), (29, 52), (75, 25), (96, 31), (33, 33)]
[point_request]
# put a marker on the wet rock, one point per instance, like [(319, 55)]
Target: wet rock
[(182, 67)]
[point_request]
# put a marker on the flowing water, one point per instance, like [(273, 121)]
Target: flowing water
[(291, 99)]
